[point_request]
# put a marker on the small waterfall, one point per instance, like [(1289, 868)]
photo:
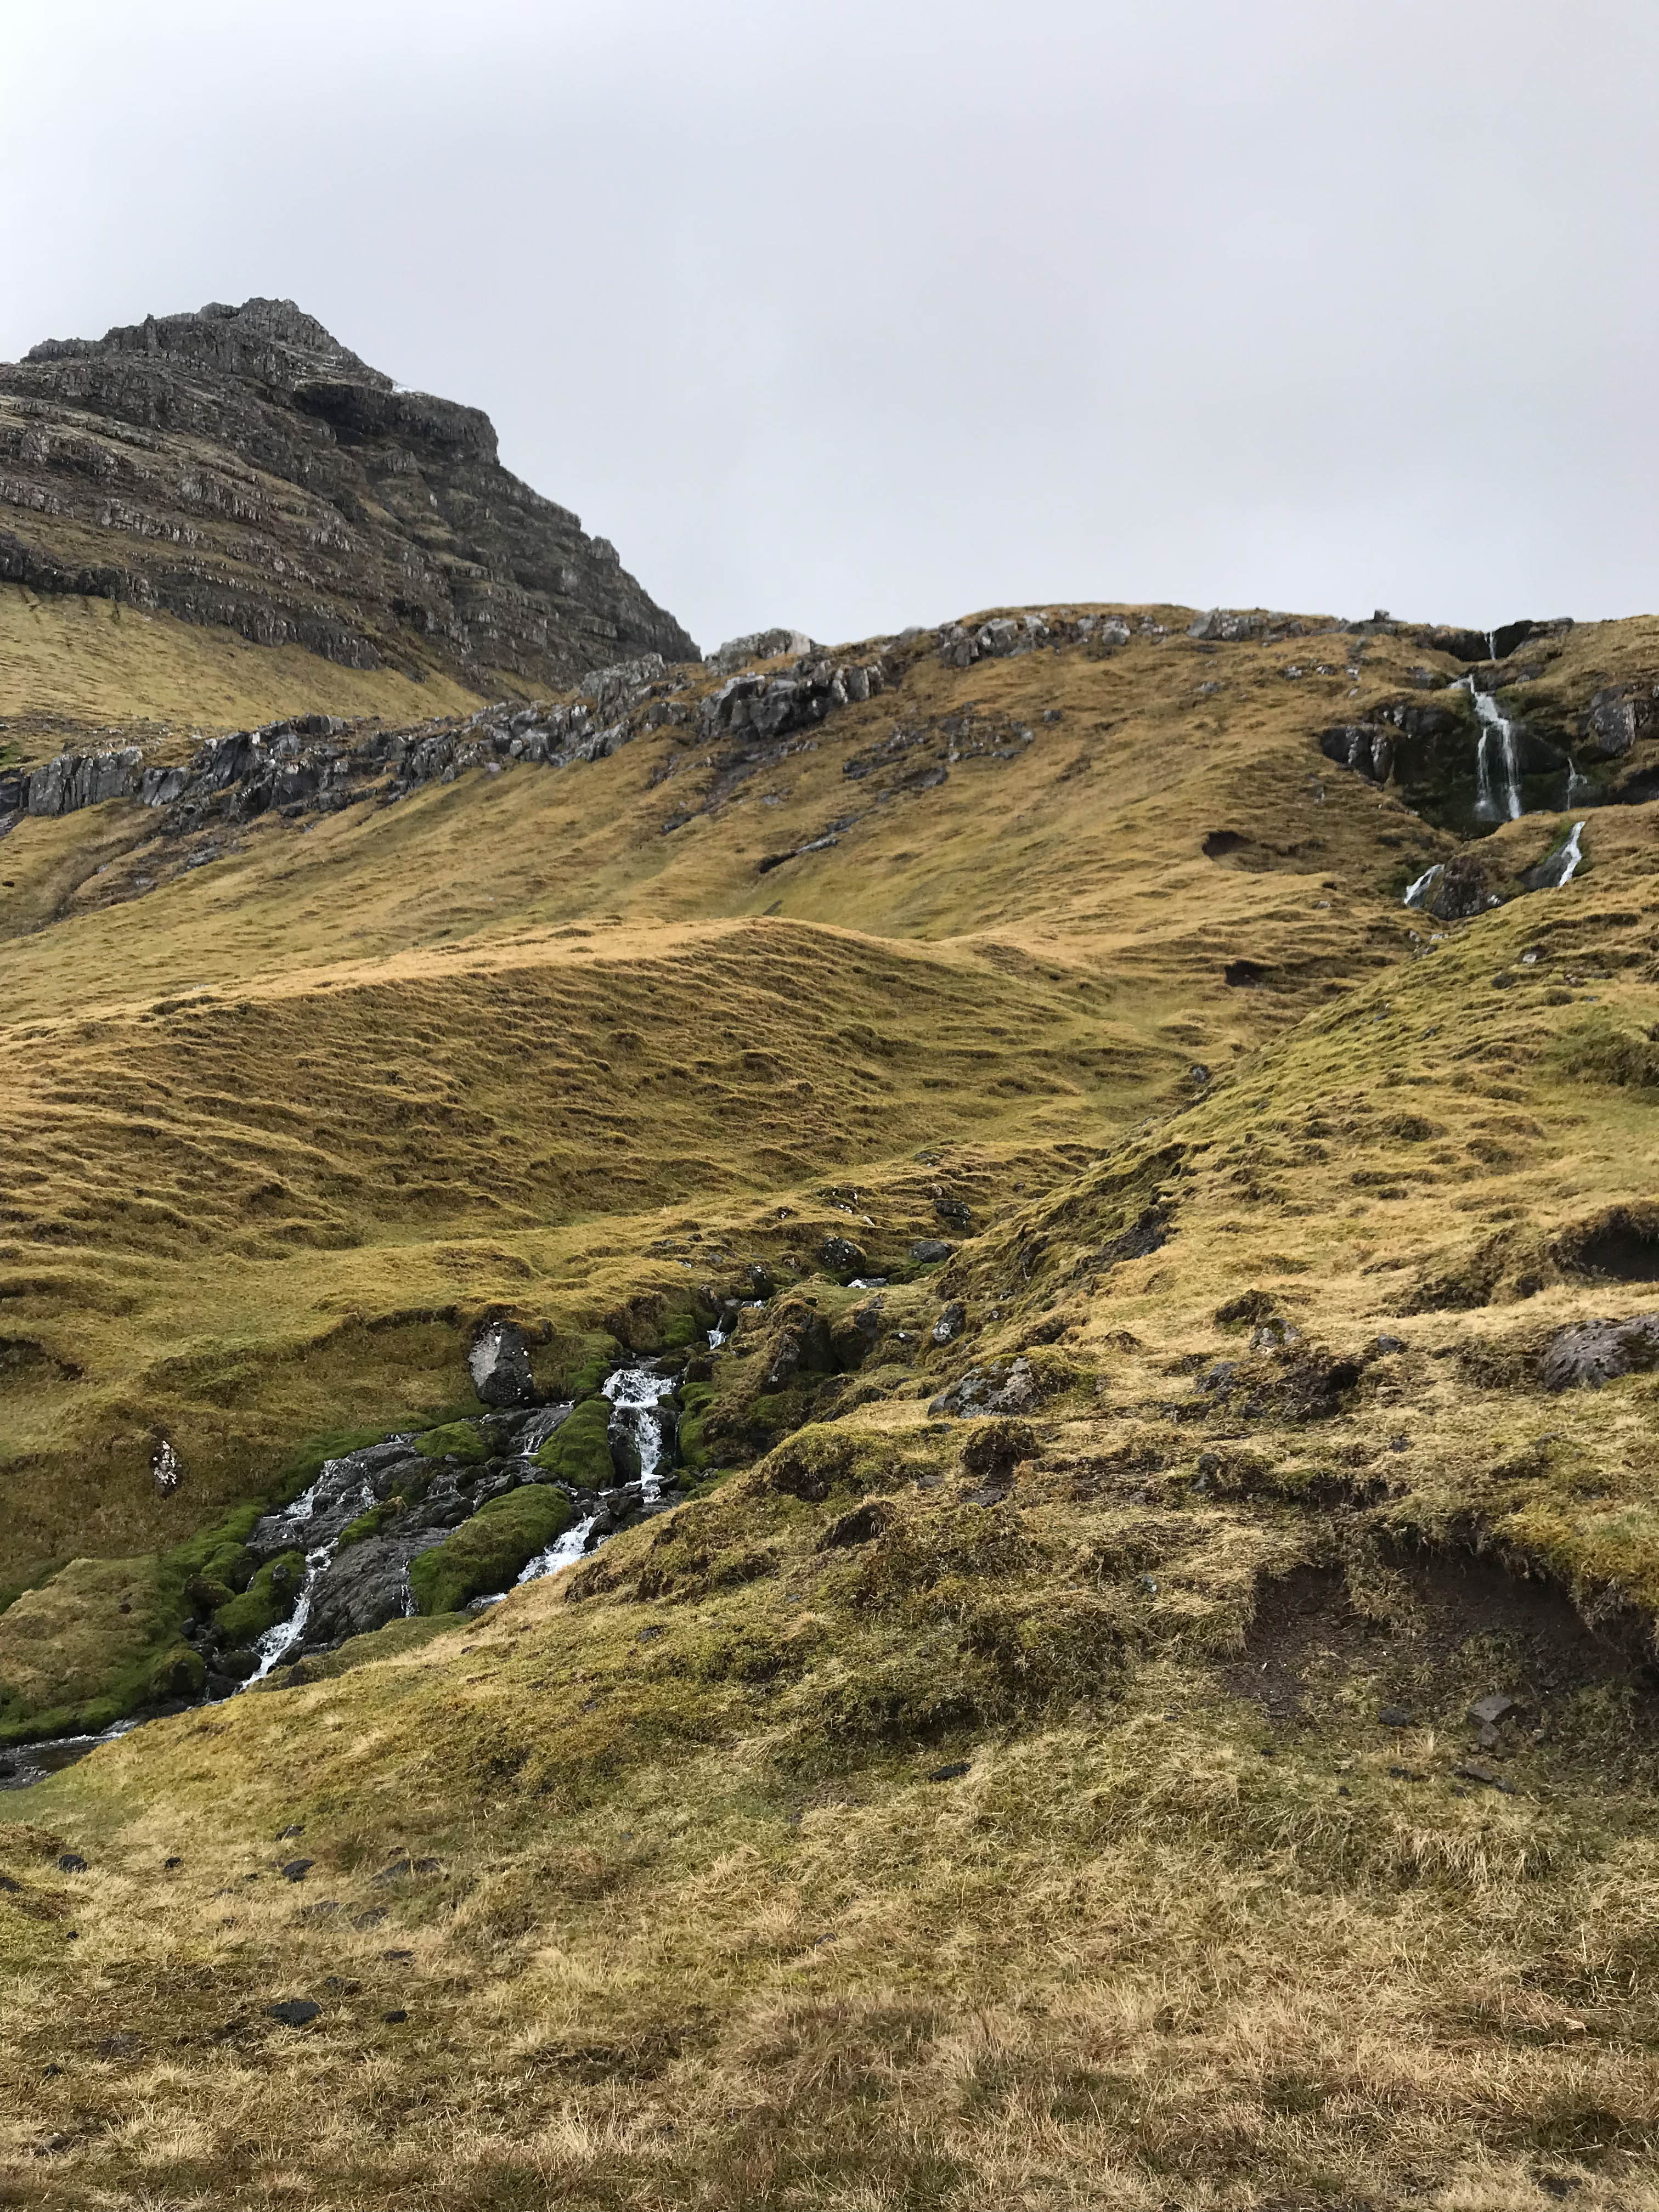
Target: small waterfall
[(1422, 890), (568, 1548), (1571, 854), (276, 1642), (638, 1396), (1497, 762)]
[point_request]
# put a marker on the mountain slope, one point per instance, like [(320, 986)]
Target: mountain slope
[(1153, 1705), (239, 468)]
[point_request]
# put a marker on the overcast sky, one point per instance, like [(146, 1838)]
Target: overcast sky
[(852, 314)]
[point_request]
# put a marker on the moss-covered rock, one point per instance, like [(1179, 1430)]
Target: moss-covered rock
[(455, 1440), (368, 1524), (579, 1450), (486, 1552), (270, 1598), (178, 1673)]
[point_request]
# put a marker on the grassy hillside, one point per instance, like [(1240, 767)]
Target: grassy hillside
[(1044, 1767), (72, 668)]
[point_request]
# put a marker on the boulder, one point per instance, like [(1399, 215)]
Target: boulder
[(499, 1364), (760, 645), (1592, 1352)]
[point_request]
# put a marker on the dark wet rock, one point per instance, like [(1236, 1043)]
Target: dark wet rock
[(953, 1771), (841, 1256), (293, 2011), (1472, 1770), (1455, 889), (953, 1212), (1361, 746), (1150, 1232), (1592, 1352), (928, 1249), (70, 1862), (297, 1869), (395, 2017), (951, 1323), (499, 1364), (1394, 1717)]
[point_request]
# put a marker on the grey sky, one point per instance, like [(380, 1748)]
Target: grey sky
[(858, 312)]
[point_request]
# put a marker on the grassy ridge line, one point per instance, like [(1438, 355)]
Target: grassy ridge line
[(71, 668)]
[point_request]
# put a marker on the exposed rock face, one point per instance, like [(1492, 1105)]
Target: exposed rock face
[(239, 465)]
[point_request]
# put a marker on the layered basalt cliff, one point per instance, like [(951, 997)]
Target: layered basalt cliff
[(240, 466)]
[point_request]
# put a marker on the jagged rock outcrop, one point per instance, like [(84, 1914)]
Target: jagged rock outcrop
[(240, 466)]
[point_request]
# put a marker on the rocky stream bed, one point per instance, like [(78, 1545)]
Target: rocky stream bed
[(436, 1523)]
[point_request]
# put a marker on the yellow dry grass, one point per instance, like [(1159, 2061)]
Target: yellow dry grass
[(71, 667)]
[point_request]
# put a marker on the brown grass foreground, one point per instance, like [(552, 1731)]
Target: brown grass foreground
[(657, 1887)]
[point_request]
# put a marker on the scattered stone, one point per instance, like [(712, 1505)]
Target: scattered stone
[(1487, 1711), (296, 1828), (841, 1256), (293, 2011), (1394, 1717), (951, 1323), (297, 1869), (952, 1772), (927, 1249), (1472, 1772), (71, 1862), (396, 2017)]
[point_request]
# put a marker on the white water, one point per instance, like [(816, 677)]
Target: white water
[(1497, 762), (1571, 853), (1414, 896), (637, 1397), (276, 1642)]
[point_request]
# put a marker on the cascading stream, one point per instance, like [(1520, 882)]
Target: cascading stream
[(1497, 762), (640, 1424)]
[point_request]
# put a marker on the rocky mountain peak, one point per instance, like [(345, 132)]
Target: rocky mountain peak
[(273, 341), (241, 466)]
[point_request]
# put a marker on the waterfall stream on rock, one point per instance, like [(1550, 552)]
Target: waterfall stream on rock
[(1497, 762)]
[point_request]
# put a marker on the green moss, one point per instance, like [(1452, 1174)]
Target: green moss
[(695, 1399), (270, 1598), (368, 1524), (486, 1552), (574, 1366), (455, 1440), (178, 1673), (579, 1450)]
